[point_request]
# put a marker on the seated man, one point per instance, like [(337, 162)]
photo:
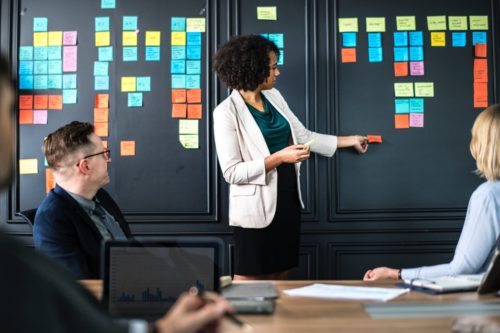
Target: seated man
[(77, 215)]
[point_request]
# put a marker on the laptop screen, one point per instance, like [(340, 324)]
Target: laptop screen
[(143, 280)]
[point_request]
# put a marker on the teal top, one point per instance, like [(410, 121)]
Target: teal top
[(273, 125)]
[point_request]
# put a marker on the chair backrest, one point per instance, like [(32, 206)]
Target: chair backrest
[(28, 216)]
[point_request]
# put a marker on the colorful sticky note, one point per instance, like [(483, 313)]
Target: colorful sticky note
[(416, 68), (193, 81), (55, 38), (458, 39), (193, 67), (405, 23), (348, 39), (178, 96), (101, 129), (26, 67), (195, 24), (25, 117), (189, 141), (129, 23), (178, 38), (153, 38), (40, 24), (374, 138), (105, 53), (54, 52), (25, 52), (188, 126), (348, 55), (479, 37), (129, 38), (178, 66), (26, 102), (402, 121), (101, 115), (403, 89), (178, 52), (424, 89), (40, 52), (129, 53), (152, 53), (416, 120), (41, 102), (178, 81), (40, 67), (457, 23), (127, 148), (55, 67), (40, 38), (348, 24), (416, 105), (178, 24), (480, 70), (54, 81), (438, 39), (194, 96), (478, 22), (108, 4), (40, 117), (279, 39), (375, 24), (69, 81), (101, 101), (134, 99), (416, 53), (401, 38), (143, 83), (102, 38), (128, 83), (480, 50), (69, 96), (436, 23), (101, 82), (375, 54), (194, 111), (69, 58), (416, 38), (26, 82), (374, 39), (28, 166), (267, 13), (480, 94), (101, 68), (70, 37), (401, 54), (55, 102), (41, 82), (194, 38), (102, 23), (179, 110), (402, 105), (193, 52), (50, 181)]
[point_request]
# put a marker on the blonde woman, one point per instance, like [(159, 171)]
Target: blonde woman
[(482, 222)]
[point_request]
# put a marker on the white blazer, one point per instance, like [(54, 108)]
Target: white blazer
[(241, 150)]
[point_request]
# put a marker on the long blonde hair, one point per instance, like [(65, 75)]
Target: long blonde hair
[(485, 143)]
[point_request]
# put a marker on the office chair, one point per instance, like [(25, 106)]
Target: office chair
[(28, 216)]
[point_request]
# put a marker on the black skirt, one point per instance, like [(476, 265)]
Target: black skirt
[(275, 248)]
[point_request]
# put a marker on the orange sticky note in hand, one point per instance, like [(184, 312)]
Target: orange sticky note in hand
[(179, 110), (401, 68), (41, 102), (374, 138), (101, 101), (101, 129), (348, 55), (26, 102), (402, 120), (481, 50), (101, 115), (25, 117), (194, 96), (480, 94), (194, 111), (178, 95), (127, 148), (55, 102)]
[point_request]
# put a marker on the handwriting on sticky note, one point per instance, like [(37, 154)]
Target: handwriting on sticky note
[(188, 126), (438, 39), (405, 23), (457, 23), (178, 38), (478, 22), (129, 38), (480, 50), (480, 94), (194, 96), (268, 13), (402, 121), (127, 148), (189, 141), (348, 24), (375, 24), (101, 129), (348, 55), (374, 138), (25, 117), (40, 117), (28, 166), (101, 101), (101, 115), (55, 38), (401, 68), (416, 120), (69, 58), (153, 38), (194, 111), (102, 38), (436, 23), (480, 70), (416, 68), (26, 102), (178, 95), (403, 89), (128, 83), (424, 89), (179, 110), (195, 24), (55, 102), (41, 102)]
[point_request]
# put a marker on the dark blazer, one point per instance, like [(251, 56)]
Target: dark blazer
[(65, 232)]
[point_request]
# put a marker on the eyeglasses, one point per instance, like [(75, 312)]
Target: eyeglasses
[(106, 153)]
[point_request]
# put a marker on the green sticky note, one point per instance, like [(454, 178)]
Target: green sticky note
[(424, 89), (143, 83), (478, 22), (130, 53), (375, 24), (102, 23), (129, 23), (457, 23), (101, 68), (108, 4), (189, 141), (268, 13), (349, 24), (436, 23), (188, 126), (403, 89), (405, 23), (134, 99)]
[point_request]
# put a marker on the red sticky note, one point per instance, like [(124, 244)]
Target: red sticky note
[(25, 117), (401, 68), (26, 102), (194, 111), (41, 102), (402, 120), (480, 94), (101, 101), (55, 102), (481, 50), (348, 55), (194, 96), (178, 95), (101, 115), (480, 70), (179, 110), (127, 148), (374, 138), (101, 129)]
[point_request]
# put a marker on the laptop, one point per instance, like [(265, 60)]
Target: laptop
[(143, 279)]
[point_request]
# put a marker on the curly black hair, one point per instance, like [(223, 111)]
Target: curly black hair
[(243, 62)]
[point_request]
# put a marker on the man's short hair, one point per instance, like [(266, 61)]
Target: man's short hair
[(65, 141)]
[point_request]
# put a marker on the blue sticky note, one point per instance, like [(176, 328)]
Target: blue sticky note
[(55, 66), (279, 39), (178, 81), (416, 105), (375, 54), (45, 163), (401, 54), (178, 66), (134, 99), (108, 4), (26, 82), (402, 105), (178, 52), (178, 24), (193, 67), (69, 81), (105, 53), (130, 23), (41, 67), (374, 39), (401, 38), (266, 36), (101, 68), (416, 53), (25, 67), (193, 52), (416, 38), (69, 96), (54, 82), (281, 58), (458, 39), (193, 38), (40, 53), (130, 53), (152, 53), (193, 81), (143, 83), (40, 24), (26, 53), (41, 82), (54, 52), (101, 82), (348, 39), (479, 37), (102, 23)]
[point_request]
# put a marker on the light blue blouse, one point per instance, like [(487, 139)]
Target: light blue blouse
[(477, 241)]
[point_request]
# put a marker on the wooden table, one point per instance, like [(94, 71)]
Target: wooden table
[(294, 314)]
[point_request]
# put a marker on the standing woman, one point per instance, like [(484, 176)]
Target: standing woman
[(260, 144)]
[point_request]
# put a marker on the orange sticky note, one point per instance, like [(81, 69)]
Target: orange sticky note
[(25, 117), (50, 181), (55, 102), (101, 129), (480, 94), (480, 70), (178, 95), (348, 55), (179, 110), (127, 148), (401, 68), (374, 138), (41, 102), (101, 115), (402, 120), (194, 111), (26, 102), (480, 50), (101, 101), (194, 96)]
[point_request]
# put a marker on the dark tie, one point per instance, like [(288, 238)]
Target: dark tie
[(113, 227)]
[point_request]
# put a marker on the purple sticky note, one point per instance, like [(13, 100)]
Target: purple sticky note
[(416, 68), (69, 37), (69, 58), (416, 120), (40, 117)]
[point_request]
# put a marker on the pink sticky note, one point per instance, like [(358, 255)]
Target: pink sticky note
[(416, 68), (40, 117), (69, 58), (416, 120), (69, 37)]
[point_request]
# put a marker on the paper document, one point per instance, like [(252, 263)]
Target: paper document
[(333, 291)]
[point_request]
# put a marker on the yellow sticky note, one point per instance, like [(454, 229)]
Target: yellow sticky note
[(55, 38), (188, 126), (348, 24), (403, 89), (189, 141), (267, 13), (478, 22), (178, 38), (436, 23), (40, 38), (438, 39), (405, 23), (375, 24), (129, 38), (424, 89), (153, 38), (457, 23), (128, 83), (102, 38), (194, 24), (28, 166)]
